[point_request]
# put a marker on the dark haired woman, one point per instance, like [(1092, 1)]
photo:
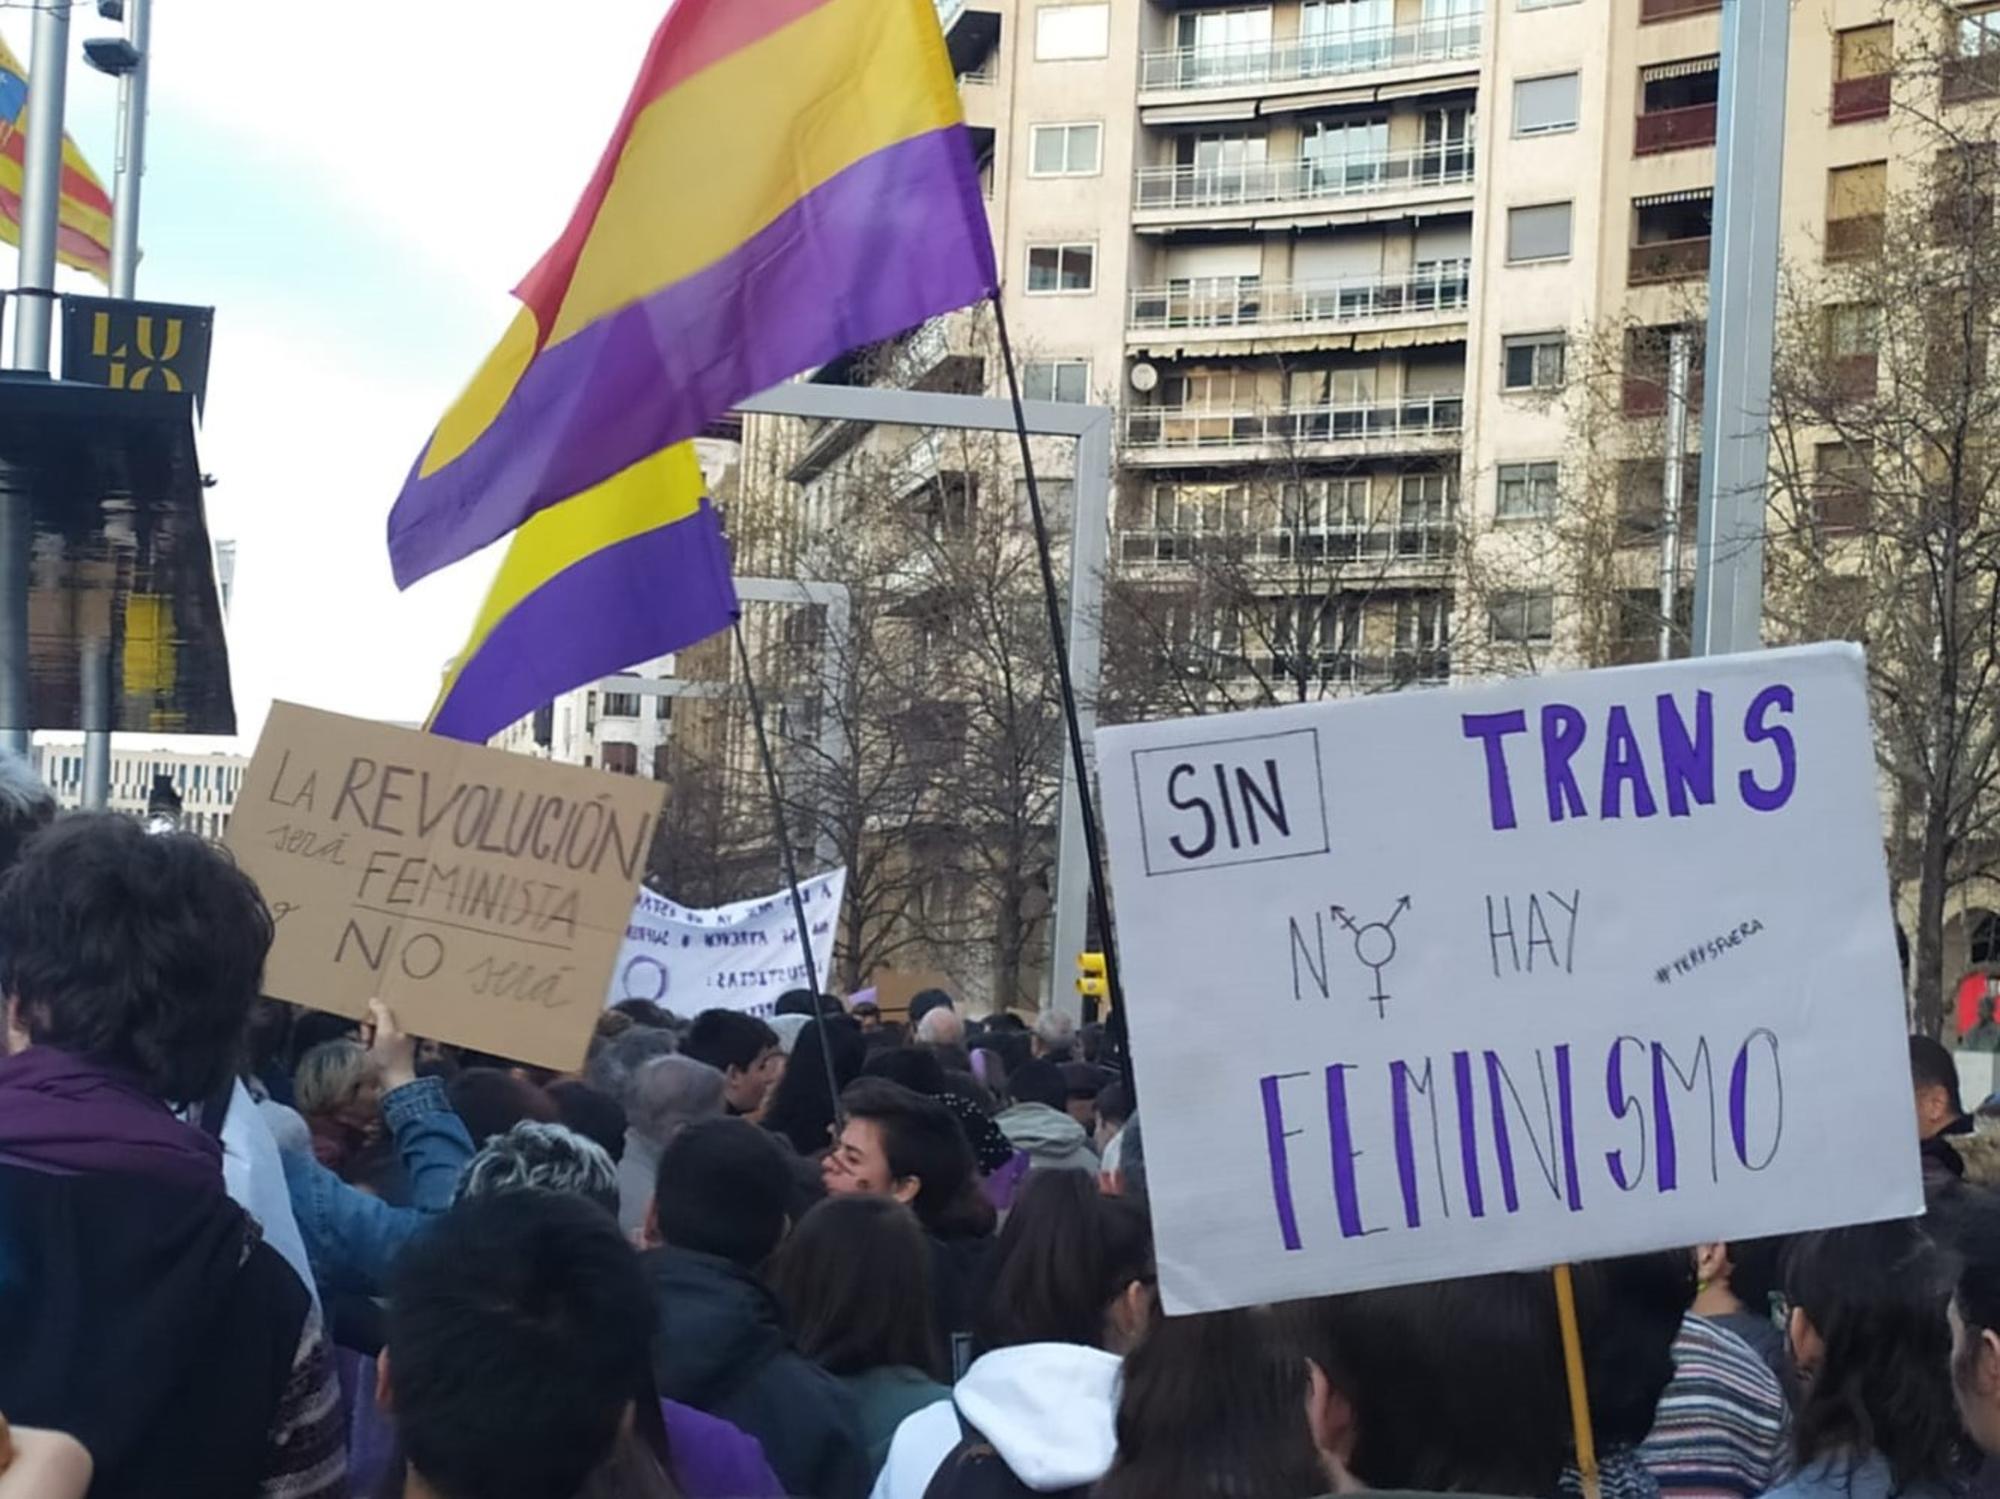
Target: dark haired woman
[(1215, 1407), (855, 1278), (1871, 1342), (1071, 1294)]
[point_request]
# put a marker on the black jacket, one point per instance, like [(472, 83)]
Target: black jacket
[(151, 1323), (722, 1348)]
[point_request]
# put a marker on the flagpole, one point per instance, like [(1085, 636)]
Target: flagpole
[(790, 864), (34, 324), (1100, 903)]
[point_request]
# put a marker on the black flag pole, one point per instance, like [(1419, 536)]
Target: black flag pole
[(1100, 903), (791, 867)]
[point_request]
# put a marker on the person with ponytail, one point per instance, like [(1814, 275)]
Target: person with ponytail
[(1071, 1294)]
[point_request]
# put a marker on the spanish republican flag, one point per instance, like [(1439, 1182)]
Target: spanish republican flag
[(83, 233), (791, 179)]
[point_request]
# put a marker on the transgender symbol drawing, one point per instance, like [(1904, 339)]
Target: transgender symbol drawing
[(1374, 946)]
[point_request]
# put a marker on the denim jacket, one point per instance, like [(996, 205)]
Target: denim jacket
[(353, 1238)]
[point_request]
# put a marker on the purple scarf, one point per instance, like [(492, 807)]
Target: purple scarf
[(62, 1112)]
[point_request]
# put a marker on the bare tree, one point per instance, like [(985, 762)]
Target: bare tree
[(1884, 516)]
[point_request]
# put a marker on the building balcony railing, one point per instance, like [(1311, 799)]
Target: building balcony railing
[(1668, 10), (1200, 428), (1301, 59), (1375, 671), (1645, 394), (1854, 238), (1668, 260), (1674, 130), (1442, 287), (1860, 99), (1426, 539), (1303, 180), (1976, 77)]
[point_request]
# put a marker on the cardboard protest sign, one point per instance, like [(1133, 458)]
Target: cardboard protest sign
[(482, 895), (1442, 983), (740, 957)]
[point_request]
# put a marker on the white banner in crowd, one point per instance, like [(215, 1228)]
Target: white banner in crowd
[(1442, 983), (740, 957)]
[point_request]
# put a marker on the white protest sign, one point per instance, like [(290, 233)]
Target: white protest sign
[(1442, 983), (740, 957)]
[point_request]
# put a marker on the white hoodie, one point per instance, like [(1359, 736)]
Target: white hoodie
[(1047, 1408)]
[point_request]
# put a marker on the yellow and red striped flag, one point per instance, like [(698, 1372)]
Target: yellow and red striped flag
[(83, 234)]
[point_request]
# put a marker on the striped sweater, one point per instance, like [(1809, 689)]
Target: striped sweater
[(1721, 1428)]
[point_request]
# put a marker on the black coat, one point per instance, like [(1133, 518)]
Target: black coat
[(722, 1348), (151, 1323)]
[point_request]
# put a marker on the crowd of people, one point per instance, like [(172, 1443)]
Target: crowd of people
[(249, 1250)]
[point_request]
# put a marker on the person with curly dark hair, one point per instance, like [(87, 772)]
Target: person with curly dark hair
[(141, 1310), (1871, 1341)]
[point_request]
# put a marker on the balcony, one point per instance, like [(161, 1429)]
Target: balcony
[(1192, 193), (1855, 238), (1856, 99), (1413, 542), (1216, 310), (1674, 130), (1855, 376), (1414, 424), (1257, 66), (1668, 260), (1672, 10), (1974, 77)]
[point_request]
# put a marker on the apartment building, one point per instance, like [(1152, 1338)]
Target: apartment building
[(207, 784)]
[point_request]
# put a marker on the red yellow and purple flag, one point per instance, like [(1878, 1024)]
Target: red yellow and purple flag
[(83, 226), (791, 179)]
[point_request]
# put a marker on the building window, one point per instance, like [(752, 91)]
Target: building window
[(1853, 329), (1861, 72), (1056, 380), (1066, 151), (1072, 33), (1222, 46), (1062, 270), (1058, 495), (1677, 105), (1538, 232), (1843, 482), (1527, 491), (1856, 199), (621, 705), (1670, 236), (1543, 106), (1533, 361), (1527, 618), (663, 708), (622, 758)]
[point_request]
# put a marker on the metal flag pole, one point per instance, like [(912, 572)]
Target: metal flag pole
[(97, 683), (34, 322), (790, 864), (1093, 841)]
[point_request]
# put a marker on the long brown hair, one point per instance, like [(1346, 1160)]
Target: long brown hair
[(855, 1279)]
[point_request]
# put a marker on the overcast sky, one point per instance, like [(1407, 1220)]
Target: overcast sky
[(354, 187)]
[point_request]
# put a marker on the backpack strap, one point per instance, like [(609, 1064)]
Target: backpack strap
[(974, 1469)]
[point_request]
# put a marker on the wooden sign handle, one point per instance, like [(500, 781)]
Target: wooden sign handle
[(1579, 1393)]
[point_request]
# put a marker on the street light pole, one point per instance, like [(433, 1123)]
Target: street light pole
[(97, 681), (131, 166)]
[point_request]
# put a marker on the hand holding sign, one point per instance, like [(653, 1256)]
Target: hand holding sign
[(482, 894)]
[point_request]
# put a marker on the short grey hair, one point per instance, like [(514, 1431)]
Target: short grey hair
[(24, 796), (614, 1065), (942, 1026), (533, 1156), (670, 1093), (1056, 1030)]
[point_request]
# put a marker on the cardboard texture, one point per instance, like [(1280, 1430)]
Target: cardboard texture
[(482, 895)]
